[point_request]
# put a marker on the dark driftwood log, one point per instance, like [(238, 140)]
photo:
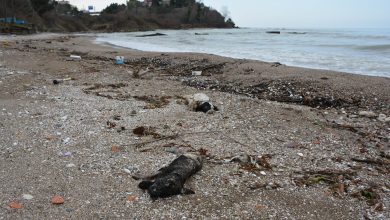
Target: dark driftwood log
[(170, 180)]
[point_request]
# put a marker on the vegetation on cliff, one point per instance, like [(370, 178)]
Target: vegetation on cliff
[(49, 15)]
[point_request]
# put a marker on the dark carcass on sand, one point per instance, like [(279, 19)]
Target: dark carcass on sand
[(169, 180)]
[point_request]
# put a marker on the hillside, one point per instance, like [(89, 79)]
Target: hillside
[(55, 17)]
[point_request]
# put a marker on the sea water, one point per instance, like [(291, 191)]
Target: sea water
[(359, 51)]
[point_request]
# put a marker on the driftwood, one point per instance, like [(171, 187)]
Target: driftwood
[(169, 137), (169, 180), (370, 161), (329, 172)]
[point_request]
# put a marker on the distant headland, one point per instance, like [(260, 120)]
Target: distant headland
[(61, 16)]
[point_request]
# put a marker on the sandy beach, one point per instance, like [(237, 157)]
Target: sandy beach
[(322, 137)]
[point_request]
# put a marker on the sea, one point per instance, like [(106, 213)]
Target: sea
[(358, 51)]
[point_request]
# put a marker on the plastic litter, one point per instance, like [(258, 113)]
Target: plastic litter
[(58, 81), (196, 73), (76, 57), (119, 60)]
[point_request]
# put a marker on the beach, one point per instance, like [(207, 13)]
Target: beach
[(323, 136)]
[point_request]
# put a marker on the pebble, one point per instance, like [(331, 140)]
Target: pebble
[(126, 171), (70, 165), (66, 140), (300, 154), (67, 154), (27, 196), (57, 200), (385, 189), (382, 117), (263, 173)]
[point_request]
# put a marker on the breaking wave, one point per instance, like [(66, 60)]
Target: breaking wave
[(359, 51)]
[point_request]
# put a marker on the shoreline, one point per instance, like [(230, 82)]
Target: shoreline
[(325, 56), (322, 134), (294, 73), (93, 36)]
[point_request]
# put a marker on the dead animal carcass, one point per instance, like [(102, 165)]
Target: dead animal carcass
[(170, 180), (200, 102)]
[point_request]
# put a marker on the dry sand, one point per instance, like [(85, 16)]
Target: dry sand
[(328, 159)]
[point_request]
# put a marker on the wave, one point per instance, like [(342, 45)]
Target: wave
[(325, 50), (379, 47)]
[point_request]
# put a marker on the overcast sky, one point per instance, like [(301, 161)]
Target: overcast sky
[(293, 13)]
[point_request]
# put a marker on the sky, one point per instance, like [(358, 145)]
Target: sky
[(293, 13)]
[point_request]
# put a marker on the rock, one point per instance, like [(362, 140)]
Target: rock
[(126, 171), (368, 114), (387, 120), (15, 205), (27, 196), (263, 173), (71, 165), (273, 32), (382, 117), (115, 149), (300, 154), (57, 200)]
